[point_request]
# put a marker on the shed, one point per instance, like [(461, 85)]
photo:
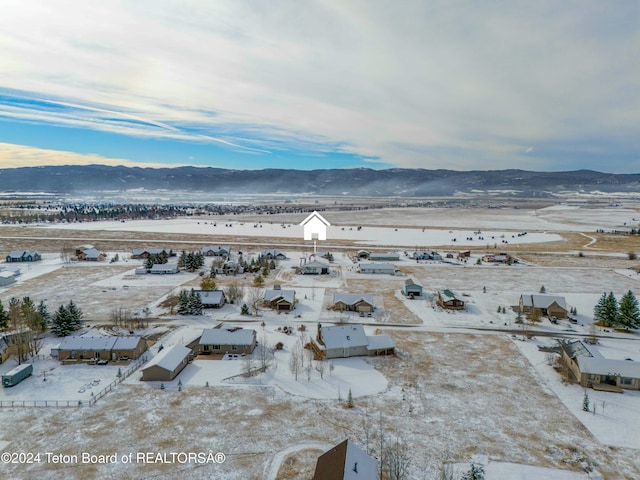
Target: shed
[(411, 289), (6, 278), (167, 364), (383, 268), (381, 257), (448, 300)]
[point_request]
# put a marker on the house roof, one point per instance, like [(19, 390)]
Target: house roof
[(223, 336), (352, 298), (380, 342), (7, 274), (164, 267), (316, 264), (87, 343), (384, 255), (448, 295), (377, 266), (344, 336), (542, 301), (606, 366), (170, 358), (91, 253), (346, 461), (275, 294), (272, 253), (21, 253), (217, 249), (150, 251), (210, 297), (127, 343), (409, 281)]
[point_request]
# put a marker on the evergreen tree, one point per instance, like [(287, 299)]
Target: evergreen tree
[(44, 313), (598, 310), (585, 402), (212, 272), (350, 403), (475, 473), (75, 315), (610, 312), (628, 314), (4, 318), (182, 262), (542, 289), (245, 309), (183, 303), (195, 303), (61, 323)]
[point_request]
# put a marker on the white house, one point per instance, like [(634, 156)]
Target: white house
[(341, 341), (315, 227)]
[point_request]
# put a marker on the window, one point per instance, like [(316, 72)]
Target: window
[(626, 381), (593, 376), (215, 347)]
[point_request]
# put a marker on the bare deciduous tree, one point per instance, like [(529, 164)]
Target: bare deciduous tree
[(294, 363), (233, 292)]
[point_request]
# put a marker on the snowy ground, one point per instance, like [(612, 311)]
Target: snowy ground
[(462, 384)]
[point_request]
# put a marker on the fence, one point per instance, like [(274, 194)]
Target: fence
[(77, 403)]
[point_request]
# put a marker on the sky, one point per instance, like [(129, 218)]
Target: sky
[(464, 85)]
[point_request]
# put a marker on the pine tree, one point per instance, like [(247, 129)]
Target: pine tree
[(350, 403), (44, 313), (194, 303), (182, 262), (4, 318), (75, 315), (61, 323), (475, 473), (598, 310), (183, 303), (585, 402), (628, 313), (245, 309), (610, 312), (542, 289)]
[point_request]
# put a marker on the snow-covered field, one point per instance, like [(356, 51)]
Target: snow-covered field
[(464, 385)]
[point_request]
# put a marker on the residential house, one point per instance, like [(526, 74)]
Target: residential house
[(591, 369), (232, 268), (411, 289), (227, 340), (164, 268), (279, 299), (346, 461), (212, 298), (23, 256), (499, 258), (91, 255), (167, 364), (378, 268), (350, 340), (145, 252), (448, 300), (211, 251), (315, 227), (273, 255), (426, 255), (382, 257), (77, 349), (547, 305), (314, 267), (353, 302), (7, 278)]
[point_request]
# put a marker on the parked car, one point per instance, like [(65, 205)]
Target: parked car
[(102, 362)]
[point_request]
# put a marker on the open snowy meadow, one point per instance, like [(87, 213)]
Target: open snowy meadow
[(464, 386)]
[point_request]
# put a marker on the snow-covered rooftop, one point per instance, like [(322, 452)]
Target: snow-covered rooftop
[(87, 343), (352, 298), (344, 336), (223, 336), (169, 358), (542, 301)]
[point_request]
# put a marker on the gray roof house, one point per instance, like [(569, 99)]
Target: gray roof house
[(426, 255), (167, 364), (212, 298), (164, 268), (353, 302), (314, 267), (383, 268), (273, 254), (23, 256), (227, 340), (145, 252), (211, 251), (591, 369), (75, 348), (552, 305), (279, 299), (342, 341)]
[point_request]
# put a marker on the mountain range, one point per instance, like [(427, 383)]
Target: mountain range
[(336, 182)]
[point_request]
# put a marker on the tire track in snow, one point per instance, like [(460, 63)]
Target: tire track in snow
[(273, 467)]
